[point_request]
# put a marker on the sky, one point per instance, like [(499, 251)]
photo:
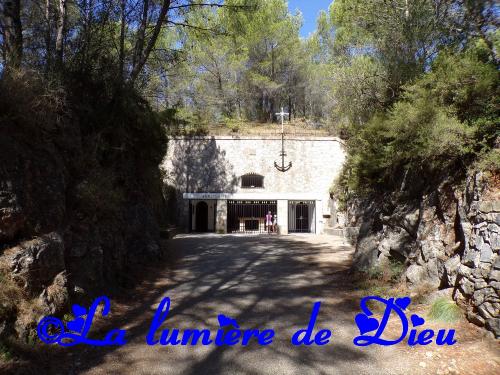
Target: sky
[(310, 10)]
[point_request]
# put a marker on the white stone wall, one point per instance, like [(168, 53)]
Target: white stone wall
[(214, 164)]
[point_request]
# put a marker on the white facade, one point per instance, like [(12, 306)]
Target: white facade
[(209, 169)]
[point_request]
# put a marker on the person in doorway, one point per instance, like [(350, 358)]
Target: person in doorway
[(275, 223), (269, 221)]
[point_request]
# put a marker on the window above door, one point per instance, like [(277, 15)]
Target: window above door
[(252, 181)]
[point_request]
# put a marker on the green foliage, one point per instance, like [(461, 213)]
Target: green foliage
[(488, 161), (390, 272), (443, 122), (445, 310), (396, 269), (232, 124), (375, 273), (238, 64)]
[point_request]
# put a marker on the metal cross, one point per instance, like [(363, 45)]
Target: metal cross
[(282, 115), (282, 167)]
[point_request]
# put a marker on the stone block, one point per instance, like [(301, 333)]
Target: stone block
[(486, 253), (495, 285), (495, 241), (54, 299), (480, 284), (495, 205), (496, 263), (415, 274), (38, 261), (486, 310), (451, 266), (466, 286), (471, 257), (482, 271), (464, 270), (493, 325), (475, 319), (493, 228), (494, 275), (431, 249), (486, 206), (478, 298), (478, 242)]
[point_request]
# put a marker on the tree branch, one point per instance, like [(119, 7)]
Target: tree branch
[(143, 57)]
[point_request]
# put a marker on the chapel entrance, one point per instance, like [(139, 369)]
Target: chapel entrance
[(248, 216), (301, 217), (201, 224)]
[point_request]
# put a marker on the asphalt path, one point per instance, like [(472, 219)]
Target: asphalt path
[(263, 282)]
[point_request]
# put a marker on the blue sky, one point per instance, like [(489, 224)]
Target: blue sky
[(310, 10)]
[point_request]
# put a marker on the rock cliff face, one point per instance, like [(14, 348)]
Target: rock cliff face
[(80, 204), (448, 239)]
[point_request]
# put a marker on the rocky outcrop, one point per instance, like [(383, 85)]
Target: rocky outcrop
[(448, 239), (35, 263), (80, 200)]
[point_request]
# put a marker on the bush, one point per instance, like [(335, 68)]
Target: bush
[(232, 124), (443, 124), (391, 272), (31, 103), (445, 310)]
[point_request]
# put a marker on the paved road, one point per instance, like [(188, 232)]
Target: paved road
[(262, 282)]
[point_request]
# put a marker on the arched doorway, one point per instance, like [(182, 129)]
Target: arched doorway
[(201, 217)]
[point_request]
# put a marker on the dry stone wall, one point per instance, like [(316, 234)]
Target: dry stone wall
[(448, 239), (477, 277)]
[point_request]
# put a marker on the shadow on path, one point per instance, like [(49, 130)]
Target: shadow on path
[(262, 282)]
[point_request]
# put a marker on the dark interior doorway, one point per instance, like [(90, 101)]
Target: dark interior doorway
[(201, 217)]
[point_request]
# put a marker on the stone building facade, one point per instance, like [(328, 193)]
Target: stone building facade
[(229, 183)]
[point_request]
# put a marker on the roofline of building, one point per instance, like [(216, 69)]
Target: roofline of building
[(255, 196), (260, 137)]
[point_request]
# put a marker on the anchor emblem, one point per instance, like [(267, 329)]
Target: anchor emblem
[(282, 167)]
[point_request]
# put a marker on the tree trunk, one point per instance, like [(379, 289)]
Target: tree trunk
[(48, 36), (141, 34), (61, 24), (12, 32), (121, 62), (136, 70)]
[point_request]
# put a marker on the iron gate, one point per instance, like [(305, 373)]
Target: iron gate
[(301, 217), (248, 216)]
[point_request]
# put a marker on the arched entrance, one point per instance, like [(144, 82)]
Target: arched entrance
[(201, 217)]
